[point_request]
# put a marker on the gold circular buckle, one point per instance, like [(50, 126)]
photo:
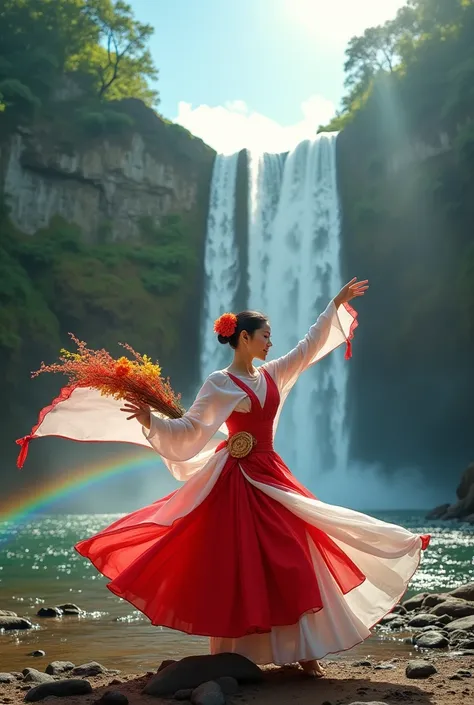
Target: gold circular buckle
[(240, 444)]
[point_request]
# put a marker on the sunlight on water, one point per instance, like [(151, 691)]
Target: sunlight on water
[(39, 568)]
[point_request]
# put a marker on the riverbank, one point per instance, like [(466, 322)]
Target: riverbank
[(345, 683)]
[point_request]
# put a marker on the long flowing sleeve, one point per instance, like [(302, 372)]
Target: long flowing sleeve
[(185, 445), (182, 439), (334, 327)]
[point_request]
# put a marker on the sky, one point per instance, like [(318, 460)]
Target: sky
[(261, 74)]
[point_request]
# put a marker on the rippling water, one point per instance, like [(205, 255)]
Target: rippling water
[(38, 567)]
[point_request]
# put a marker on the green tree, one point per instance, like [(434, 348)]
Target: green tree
[(120, 62)]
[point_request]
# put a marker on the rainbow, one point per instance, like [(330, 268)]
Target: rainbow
[(35, 499)]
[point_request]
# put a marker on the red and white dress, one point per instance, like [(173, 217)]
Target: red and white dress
[(242, 552)]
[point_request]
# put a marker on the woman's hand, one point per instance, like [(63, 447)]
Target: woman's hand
[(140, 412), (350, 291)]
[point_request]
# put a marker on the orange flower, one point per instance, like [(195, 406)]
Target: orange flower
[(226, 325)]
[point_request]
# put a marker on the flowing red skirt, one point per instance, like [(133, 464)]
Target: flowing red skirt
[(238, 564)]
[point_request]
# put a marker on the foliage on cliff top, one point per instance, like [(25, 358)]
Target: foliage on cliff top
[(426, 54), (97, 42)]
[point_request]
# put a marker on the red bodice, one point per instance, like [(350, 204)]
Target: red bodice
[(259, 420)]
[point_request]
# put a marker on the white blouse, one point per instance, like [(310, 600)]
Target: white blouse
[(193, 436)]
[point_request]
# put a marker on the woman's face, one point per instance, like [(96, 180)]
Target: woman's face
[(258, 343)]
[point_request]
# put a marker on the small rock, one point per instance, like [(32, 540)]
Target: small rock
[(7, 678), (89, 669), (464, 673), (399, 609), (384, 667), (18, 676), (228, 685), (209, 693), (165, 664), (116, 681), (455, 677), (183, 694), (8, 613), (10, 623), (113, 697), (34, 676), (60, 689), (423, 620), (69, 608), (49, 612), (431, 640), (398, 623), (38, 653), (466, 644), (420, 669), (365, 664), (57, 668)]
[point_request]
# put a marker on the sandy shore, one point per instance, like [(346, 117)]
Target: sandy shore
[(345, 683)]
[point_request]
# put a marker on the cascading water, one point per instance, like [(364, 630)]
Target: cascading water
[(221, 261), (294, 270)]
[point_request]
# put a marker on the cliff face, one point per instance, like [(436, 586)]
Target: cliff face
[(103, 181), (102, 235)]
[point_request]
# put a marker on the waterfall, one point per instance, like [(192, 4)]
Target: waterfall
[(221, 261), (293, 272)]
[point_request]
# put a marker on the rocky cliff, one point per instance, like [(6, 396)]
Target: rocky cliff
[(153, 170), (102, 229)]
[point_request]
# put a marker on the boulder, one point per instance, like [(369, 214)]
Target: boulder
[(49, 612), (420, 669), (11, 623), (59, 689), (423, 620), (466, 624), (34, 676), (431, 640), (192, 671), (454, 607), (90, 669), (57, 668), (464, 592), (415, 602)]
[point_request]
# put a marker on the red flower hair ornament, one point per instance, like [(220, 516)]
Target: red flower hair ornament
[(225, 325)]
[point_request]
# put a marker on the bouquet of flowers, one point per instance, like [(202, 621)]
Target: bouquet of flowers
[(137, 380)]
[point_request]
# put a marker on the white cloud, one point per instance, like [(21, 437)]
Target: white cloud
[(234, 126)]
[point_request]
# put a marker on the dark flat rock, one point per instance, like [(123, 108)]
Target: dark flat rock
[(59, 689), (192, 671)]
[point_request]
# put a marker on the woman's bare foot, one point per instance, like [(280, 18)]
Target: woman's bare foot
[(313, 668)]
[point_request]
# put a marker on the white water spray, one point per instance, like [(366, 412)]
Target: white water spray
[(221, 261), (294, 260)]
